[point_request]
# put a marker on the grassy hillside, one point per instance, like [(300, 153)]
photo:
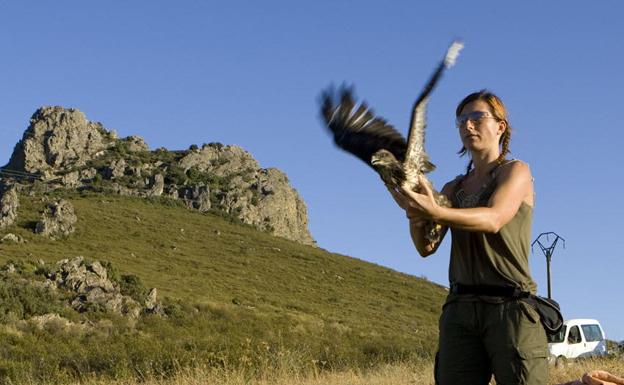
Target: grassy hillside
[(235, 296)]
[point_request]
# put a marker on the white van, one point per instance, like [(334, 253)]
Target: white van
[(577, 338)]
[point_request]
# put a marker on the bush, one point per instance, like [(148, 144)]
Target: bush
[(20, 300), (132, 286)]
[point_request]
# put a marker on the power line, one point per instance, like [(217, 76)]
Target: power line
[(548, 250)]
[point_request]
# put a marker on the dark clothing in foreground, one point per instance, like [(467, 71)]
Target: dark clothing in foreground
[(478, 339), (485, 335)]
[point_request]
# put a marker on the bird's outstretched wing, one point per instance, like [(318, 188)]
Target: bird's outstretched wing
[(416, 157), (356, 129)]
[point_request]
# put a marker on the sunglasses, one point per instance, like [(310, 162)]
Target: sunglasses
[(474, 117)]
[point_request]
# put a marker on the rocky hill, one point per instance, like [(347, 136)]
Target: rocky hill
[(65, 150), (117, 262)]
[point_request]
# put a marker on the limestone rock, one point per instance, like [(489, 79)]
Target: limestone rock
[(54, 322), (121, 189), (135, 143), (257, 196), (87, 174), (280, 207), (196, 197), (71, 179), (9, 203), (116, 169), (58, 139), (156, 186), (10, 268), (92, 287), (265, 199), (63, 145), (58, 220), (11, 238), (220, 160), (152, 305)]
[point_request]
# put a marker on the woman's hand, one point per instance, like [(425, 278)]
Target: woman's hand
[(399, 198), (404, 202), (423, 204)]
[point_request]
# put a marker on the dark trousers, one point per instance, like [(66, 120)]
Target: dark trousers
[(479, 339)]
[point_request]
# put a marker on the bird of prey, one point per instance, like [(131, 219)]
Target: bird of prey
[(399, 163)]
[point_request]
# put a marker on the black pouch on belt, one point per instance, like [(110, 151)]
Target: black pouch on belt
[(549, 312), (548, 309)]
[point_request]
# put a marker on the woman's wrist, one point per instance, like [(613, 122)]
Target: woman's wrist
[(438, 214)]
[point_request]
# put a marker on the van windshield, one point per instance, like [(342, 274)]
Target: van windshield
[(592, 333), (555, 338)]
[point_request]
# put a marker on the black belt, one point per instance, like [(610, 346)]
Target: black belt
[(489, 290), (548, 309)]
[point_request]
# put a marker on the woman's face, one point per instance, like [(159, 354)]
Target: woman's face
[(481, 131)]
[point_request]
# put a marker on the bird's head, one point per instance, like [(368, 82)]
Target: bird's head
[(383, 158)]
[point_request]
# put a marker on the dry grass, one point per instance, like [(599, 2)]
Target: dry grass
[(414, 373), (574, 371)]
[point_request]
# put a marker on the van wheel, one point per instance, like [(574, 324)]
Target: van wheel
[(561, 362)]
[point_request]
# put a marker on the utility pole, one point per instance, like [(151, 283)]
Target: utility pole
[(548, 251)]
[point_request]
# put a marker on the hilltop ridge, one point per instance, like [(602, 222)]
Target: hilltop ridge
[(68, 151)]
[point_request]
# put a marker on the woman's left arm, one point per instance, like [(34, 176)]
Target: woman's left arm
[(514, 185)]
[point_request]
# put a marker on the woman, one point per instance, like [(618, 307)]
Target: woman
[(484, 328)]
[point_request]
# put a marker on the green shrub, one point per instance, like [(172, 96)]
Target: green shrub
[(131, 285)]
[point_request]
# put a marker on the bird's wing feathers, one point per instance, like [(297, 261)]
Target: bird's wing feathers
[(357, 130), (416, 158)]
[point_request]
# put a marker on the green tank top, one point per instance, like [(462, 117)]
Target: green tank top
[(500, 258)]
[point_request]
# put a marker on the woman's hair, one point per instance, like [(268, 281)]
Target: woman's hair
[(497, 108)]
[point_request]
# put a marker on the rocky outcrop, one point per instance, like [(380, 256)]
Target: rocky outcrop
[(280, 207), (9, 203), (54, 322), (256, 196), (195, 197), (93, 288), (220, 160), (82, 286), (71, 152), (11, 238), (58, 138), (58, 220), (135, 143), (156, 186), (152, 305)]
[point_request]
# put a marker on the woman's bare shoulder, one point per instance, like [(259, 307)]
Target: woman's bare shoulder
[(513, 168), (516, 176)]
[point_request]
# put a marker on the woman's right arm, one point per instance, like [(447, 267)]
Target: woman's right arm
[(417, 224), (418, 229)]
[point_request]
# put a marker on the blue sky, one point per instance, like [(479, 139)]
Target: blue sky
[(249, 73)]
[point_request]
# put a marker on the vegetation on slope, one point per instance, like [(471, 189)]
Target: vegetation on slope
[(234, 298)]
